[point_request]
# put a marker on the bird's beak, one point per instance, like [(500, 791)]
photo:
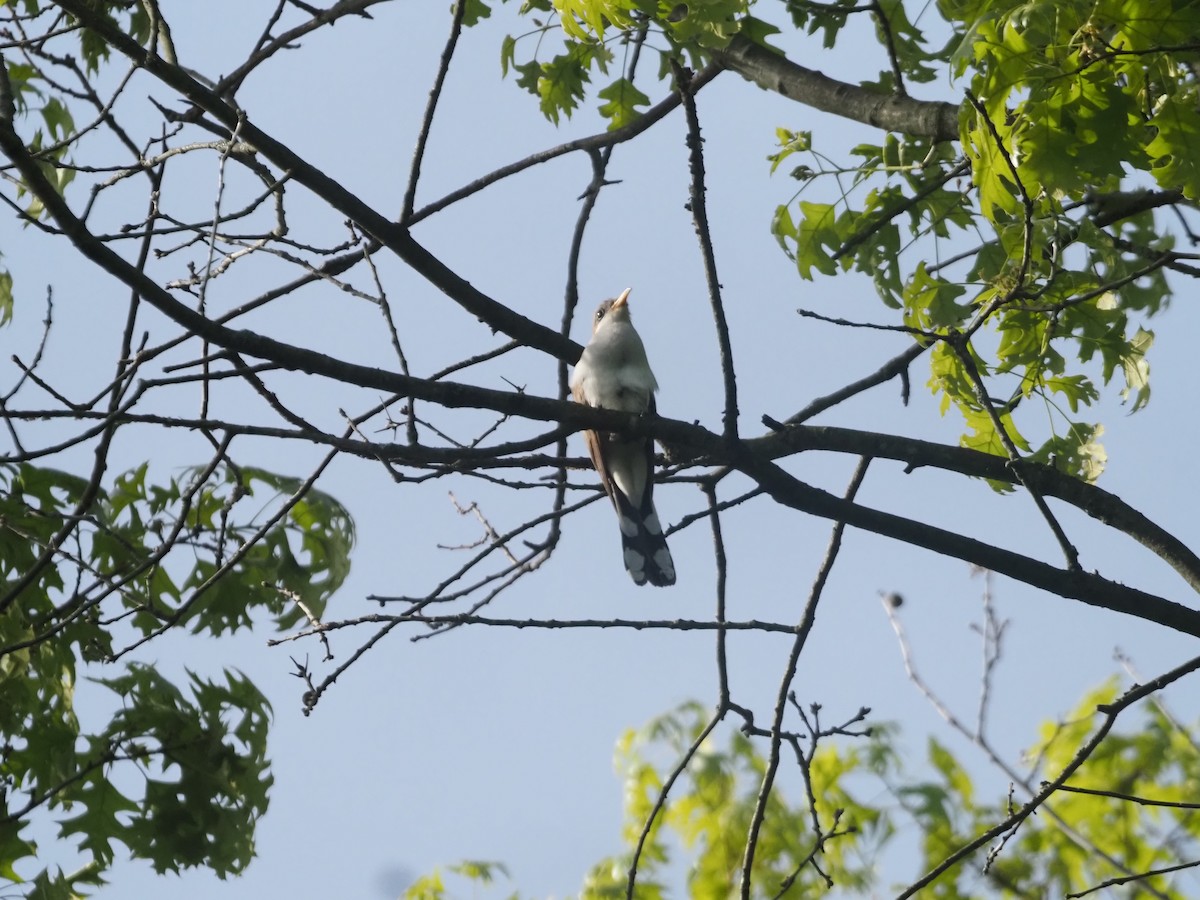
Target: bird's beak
[(623, 299)]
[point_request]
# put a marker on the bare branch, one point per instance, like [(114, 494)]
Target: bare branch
[(803, 630), (435, 93), (699, 207)]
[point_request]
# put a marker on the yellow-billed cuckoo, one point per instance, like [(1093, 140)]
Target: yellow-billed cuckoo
[(613, 373)]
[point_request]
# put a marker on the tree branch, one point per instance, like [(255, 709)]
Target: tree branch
[(393, 236), (1096, 502), (1110, 712), (702, 444), (699, 207), (892, 112)]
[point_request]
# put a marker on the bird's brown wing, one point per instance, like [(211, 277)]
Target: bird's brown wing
[(595, 441)]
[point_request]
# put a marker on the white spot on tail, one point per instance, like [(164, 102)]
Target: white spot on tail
[(666, 565), (629, 527), (635, 563)]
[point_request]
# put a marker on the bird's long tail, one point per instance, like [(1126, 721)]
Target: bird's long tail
[(647, 558)]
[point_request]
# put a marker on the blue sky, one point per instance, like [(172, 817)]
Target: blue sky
[(497, 743)]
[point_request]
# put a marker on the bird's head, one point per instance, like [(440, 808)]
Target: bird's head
[(612, 311)]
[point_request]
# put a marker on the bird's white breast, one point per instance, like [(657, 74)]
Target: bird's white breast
[(613, 371)]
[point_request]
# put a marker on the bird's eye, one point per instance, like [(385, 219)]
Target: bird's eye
[(600, 314)]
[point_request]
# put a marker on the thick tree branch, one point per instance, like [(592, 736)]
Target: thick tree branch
[(1089, 587), (1117, 206), (686, 439), (892, 112), (1096, 502)]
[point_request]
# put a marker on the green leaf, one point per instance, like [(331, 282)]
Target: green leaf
[(906, 43), (52, 887), (929, 302), (427, 887), (6, 298), (758, 31), (586, 20), (818, 233), (954, 776), (476, 11), (100, 822), (561, 81), (789, 142), (12, 848), (58, 119), (709, 24), (1136, 369), (990, 171), (622, 99), (1076, 389), (1175, 149), (508, 52), (204, 813), (929, 803), (983, 435), (1077, 452), (528, 75), (479, 870), (784, 229)]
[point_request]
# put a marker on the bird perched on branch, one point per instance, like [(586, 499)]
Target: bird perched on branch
[(613, 373)]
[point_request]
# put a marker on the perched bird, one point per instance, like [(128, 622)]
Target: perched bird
[(613, 373)]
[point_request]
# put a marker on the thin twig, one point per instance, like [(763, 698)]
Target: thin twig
[(699, 207), (435, 94), (587, 144), (660, 801), (962, 349), (1139, 876), (807, 620)]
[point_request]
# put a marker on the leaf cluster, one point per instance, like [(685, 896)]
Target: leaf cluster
[(141, 558), (1077, 841), (585, 33), (1117, 828), (1047, 307)]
